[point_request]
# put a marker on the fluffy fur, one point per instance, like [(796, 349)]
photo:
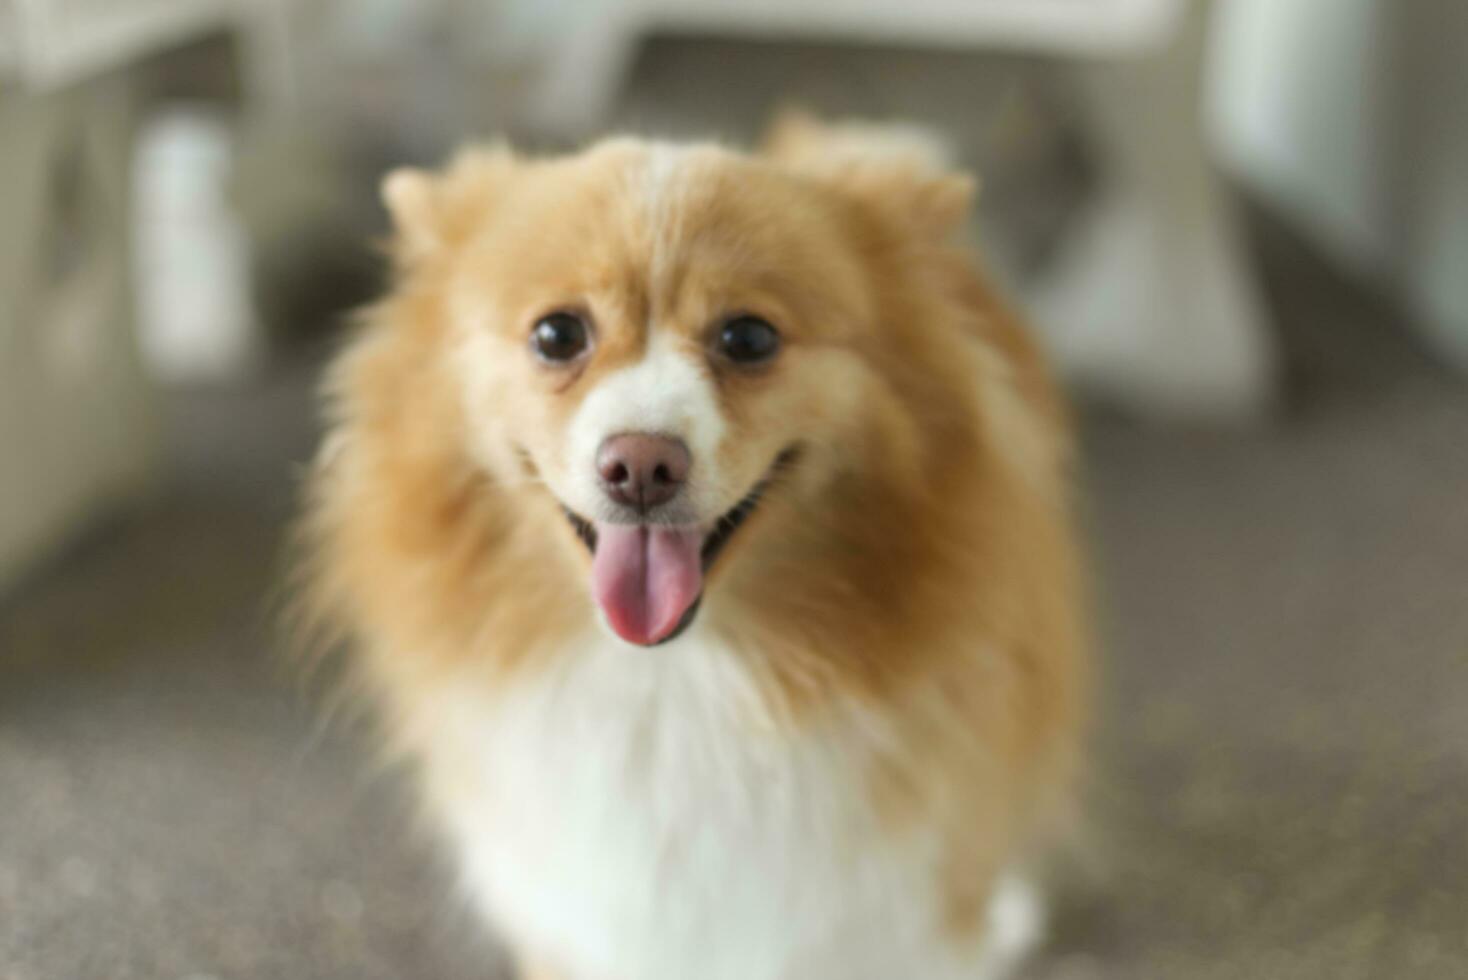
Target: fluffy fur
[(848, 765)]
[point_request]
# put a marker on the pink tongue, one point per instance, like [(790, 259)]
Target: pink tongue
[(645, 578)]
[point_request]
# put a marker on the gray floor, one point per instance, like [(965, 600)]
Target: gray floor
[(1283, 784)]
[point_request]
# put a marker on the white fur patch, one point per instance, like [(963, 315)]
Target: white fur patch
[(668, 393), (1016, 925), (633, 815), (662, 185)]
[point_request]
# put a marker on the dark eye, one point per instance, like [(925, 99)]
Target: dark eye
[(560, 337), (748, 340)]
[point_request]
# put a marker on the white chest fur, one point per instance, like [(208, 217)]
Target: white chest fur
[(635, 816)]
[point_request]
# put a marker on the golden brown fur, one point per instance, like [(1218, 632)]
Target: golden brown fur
[(916, 559)]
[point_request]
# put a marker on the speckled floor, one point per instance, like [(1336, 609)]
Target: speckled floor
[(1283, 786)]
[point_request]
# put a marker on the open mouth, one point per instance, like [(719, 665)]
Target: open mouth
[(647, 578)]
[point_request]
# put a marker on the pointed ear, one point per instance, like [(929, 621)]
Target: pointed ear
[(433, 211), (904, 171), (411, 200)]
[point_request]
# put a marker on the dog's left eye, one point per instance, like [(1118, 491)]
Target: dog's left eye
[(560, 337), (748, 340)]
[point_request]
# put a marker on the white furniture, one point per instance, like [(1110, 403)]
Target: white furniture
[(1349, 117), (51, 44), (77, 426), (1152, 301)]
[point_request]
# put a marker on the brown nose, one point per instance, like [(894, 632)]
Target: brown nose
[(642, 470)]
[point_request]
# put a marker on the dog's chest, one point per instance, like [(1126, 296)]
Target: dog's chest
[(636, 815)]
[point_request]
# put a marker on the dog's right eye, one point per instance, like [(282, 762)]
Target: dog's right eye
[(560, 337)]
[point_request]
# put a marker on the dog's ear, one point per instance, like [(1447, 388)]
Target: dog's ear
[(432, 211), (902, 170), (411, 198)]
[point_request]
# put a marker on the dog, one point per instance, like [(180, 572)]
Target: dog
[(699, 523)]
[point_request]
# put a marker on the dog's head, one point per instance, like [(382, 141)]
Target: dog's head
[(654, 338)]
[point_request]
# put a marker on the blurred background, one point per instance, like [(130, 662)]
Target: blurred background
[(1240, 227)]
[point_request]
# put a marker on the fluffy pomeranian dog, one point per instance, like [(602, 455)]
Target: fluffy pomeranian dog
[(698, 522)]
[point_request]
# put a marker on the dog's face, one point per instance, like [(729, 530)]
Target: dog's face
[(653, 337)]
